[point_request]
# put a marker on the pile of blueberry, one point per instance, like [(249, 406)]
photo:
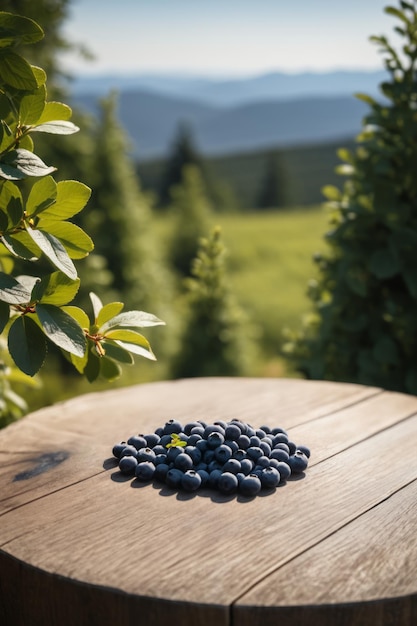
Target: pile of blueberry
[(229, 456)]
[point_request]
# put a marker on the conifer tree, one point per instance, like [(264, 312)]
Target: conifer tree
[(217, 339), (191, 212), (363, 325), (273, 191)]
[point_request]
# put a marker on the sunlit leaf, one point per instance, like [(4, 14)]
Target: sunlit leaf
[(25, 162), (54, 251), (27, 345), (56, 127), (12, 291), (62, 329), (55, 111), (108, 311), (16, 29), (16, 72), (97, 304), (132, 319), (72, 196), (42, 194), (55, 288), (76, 242)]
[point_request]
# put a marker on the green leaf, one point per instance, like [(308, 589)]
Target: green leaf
[(12, 291), (109, 369), (55, 288), (365, 98), (4, 315), (62, 329), (42, 194), (39, 74), (108, 311), (21, 245), (383, 264), (56, 127), (54, 251), (397, 13), (11, 202), (79, 315), (331, 193), (75, 241), (97, 304), (55, 111), (136, 349), (26, 163), (129, 336), (113, 351), (32, 106), (18, 30), (132, 319), (92, 369), (71, 198), (27, 345), (16, 72)]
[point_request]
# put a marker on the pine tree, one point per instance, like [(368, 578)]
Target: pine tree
[(363, 325), (191, 211), (217, 339), (183, 153), (273, 191)]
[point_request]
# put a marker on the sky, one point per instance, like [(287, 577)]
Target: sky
[(226, 37)]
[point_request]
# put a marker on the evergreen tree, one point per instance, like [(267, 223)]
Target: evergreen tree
[(217, 339), (363, 326), (273, 191), (191, 210), (183, 153), (119, 219)]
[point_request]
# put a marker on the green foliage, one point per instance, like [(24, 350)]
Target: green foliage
[(192, 212), (362, 328), (217, 338), (34, 214)]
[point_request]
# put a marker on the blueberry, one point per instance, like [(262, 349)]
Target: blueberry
[(298, 462), (214, 465), (118, 448), (183, 462), (266, 429), (259, 432), (174, 452), (292, 447), (138, 441), (243, 427), (273, 463), (214, 478), (152, 440), (243, 442), (232, 432), (282, 446), (159, 431), (284, 470), (233, 445), (280, 438), (145, 471), (158, 449), (208, 456), (190, 480), (192, 439), (190, 425), (215, 439), (201, 466), (276, 431), (232, 465), (173, 478), (197, 430), (172, 426), (194, 453), (165, 440), (161, 471), (304, 449), (145, 454), (227, 483), (160, 458), (254, 452), (201, 444), (213, 428), (128, 451), (222, 453), (263, 461), (221, 423), (270, 477), (250, 431), (246, 466), (279, 455), (265, 447), (127, 464), (239, 455), (204, 475), (250, 485), (255, 440)]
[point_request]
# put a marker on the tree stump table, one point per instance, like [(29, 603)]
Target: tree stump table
[(82, 545)]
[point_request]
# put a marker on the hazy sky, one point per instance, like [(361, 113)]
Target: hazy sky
[(227, 37)]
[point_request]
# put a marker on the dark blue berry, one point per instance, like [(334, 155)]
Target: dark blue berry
[(158, 449), (190, 425), (232, 432), (239, 455), (263, 461), (279, 455), (254, 452), (128, 464), (152, 440), (172, 426), (194, 453), (266, 429), (161, 471), (215, 439), (191, 480), (243, 442), (183, 462), (145, 471), (292, 447), (282, 446), (280, 438), (165, 440), (265, 447), (145, 454), (197, 430), (173, 478), (214, 478), (284, 470), (201, 445), (213, 428), (227, 483), (270, 477), (192, 439), (118, 448), (246, 466), (250, 486), (233, 466), (160, 458), (255, 440), (222, 453), (298, 462), (204, 475), (304, 449), (128, 451), (138, 441)]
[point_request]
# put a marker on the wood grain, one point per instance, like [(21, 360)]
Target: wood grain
[(84, 536)]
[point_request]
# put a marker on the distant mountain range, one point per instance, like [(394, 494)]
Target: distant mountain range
[(271, 110)]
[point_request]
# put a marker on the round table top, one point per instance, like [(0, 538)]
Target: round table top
[(82, 544)]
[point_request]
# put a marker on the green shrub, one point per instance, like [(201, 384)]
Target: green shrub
[(363, 325)]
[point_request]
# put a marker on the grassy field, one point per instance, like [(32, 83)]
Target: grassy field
[(269, 261)]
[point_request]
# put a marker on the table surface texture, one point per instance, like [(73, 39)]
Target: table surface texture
[(81, 544)]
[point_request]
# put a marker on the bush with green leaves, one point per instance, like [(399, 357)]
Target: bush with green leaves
[(34, 224), (363, 325)]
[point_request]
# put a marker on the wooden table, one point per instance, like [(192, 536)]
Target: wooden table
[(81, 545)]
